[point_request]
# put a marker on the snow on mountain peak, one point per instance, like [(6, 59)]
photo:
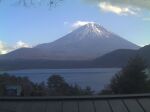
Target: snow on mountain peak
[(92, 30), (93, 27)]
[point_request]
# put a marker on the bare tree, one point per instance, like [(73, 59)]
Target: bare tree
[(26, 3)]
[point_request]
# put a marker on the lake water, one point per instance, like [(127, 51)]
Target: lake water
[(96, 78)]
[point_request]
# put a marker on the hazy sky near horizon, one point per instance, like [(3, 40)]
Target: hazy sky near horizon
[(29, 26)]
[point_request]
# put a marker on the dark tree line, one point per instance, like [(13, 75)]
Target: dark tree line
[(24, 82), (131, 79), (56, 86)]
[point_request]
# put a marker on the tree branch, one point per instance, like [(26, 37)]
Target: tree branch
[(27, 3)]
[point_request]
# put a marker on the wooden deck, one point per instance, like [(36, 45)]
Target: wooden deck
[(121, 103)]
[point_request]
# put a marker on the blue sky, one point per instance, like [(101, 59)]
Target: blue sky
[(35, 25)]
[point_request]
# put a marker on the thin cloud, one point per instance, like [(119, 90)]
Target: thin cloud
[(144, 4), (21, 44), (78, 24), (4, 48), (107, 7)]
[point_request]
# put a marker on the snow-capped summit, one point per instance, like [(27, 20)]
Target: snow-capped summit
[(92, 30), (95, 28), (87, 42)]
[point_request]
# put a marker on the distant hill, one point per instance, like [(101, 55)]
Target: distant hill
[(84, 43), (42, 64), (119, 58), (145, 53)]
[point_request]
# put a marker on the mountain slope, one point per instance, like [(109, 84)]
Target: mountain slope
[(85, 43), (119, 58), (145, 53)]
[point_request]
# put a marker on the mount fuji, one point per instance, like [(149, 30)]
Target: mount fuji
[(85, 43)]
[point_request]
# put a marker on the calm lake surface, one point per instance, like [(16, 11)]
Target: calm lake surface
[(96, 78)]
